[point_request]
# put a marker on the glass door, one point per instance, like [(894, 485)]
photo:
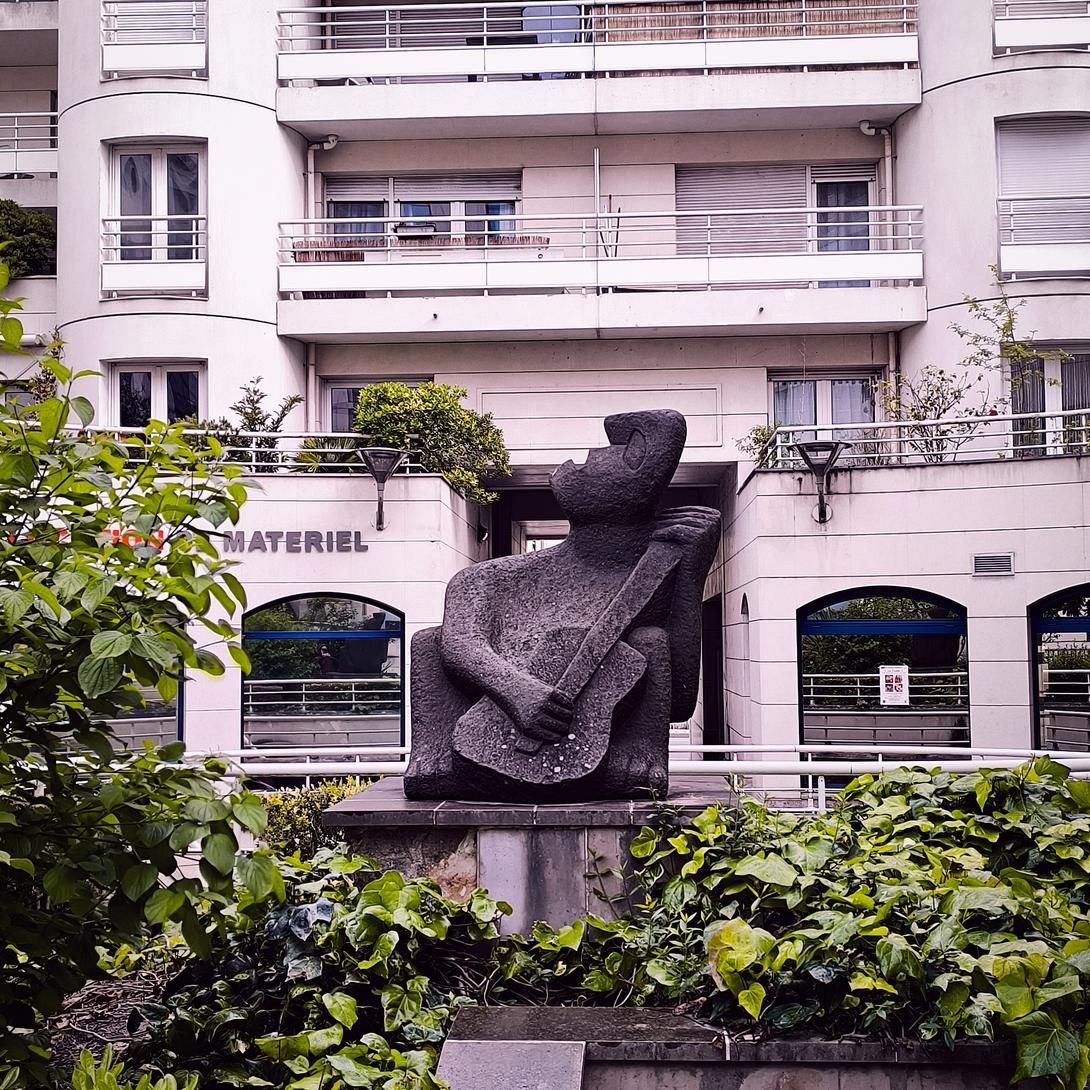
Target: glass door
[(843, 228)]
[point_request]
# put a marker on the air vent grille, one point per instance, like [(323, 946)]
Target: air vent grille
[(993, 564)]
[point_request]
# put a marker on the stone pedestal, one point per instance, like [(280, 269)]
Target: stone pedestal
[(585, 1048), (549, 862)]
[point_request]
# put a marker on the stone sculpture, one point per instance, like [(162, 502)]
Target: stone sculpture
[(556, 674)]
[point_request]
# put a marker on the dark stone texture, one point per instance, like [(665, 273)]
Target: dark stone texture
[(384, 805), (556, 674)]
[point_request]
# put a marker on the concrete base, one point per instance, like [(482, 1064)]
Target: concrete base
[(551, 863), (629, 1049)]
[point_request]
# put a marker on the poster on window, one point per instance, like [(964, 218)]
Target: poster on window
[(893, 686)]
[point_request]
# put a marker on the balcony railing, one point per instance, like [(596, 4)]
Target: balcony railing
[(927, 689), (324, 697), (1044, 235), (154, 37), (28, 143), (797, 247), (443, 42), (1026, 25), (932, 442), (265, 453), (154, 254)]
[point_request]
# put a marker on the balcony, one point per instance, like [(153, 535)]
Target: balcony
[(154, 38), (154, 255), (1024, 26), (1004, 437), (374, 70), (28, 143), (1044, 236), (612, 274), (29, 17)]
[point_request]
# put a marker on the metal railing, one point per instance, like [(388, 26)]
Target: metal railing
[(154, 22), (746, 769), (28, 131), (1039, 9), (322, 696), (154, 239), (932, 442), (792, 246), (412, 26), (1029, 25), (1042, 220), (928, 689), (263, 452), (1066, 686)]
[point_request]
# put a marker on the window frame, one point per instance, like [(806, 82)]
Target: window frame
[(328, 383), (160, 252), (823, 395), (159, 370)]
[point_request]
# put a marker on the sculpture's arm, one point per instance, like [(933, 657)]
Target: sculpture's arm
[(696, 531), (469, 656)]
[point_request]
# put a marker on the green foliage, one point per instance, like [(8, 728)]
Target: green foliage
[(330, 454), (926, 906), (329, 986), (31, 238), (251, 415), (107, 1075), (108, 571), (294, 826), (755, 444), (430, 419)]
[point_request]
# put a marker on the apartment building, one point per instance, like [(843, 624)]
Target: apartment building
[(752, 211)]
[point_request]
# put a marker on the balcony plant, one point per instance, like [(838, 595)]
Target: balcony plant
[(463, 445), (30, 241)]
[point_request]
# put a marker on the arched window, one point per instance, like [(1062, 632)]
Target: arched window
[(1061, 632), (883, 664), (326, 669)]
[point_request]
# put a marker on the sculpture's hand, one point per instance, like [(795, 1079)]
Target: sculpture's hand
[(542, 712), (694, 528)]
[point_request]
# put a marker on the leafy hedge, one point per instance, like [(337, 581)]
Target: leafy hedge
[(925, 906), (294, 826)]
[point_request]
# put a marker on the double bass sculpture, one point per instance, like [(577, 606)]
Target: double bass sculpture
[(556, 674)]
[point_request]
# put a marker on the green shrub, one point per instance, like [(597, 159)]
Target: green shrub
[(295, 815), (431, 420), (32, 240), (107, 1075), (926, 906)]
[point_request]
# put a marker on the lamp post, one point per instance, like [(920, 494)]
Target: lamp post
[(820, 456), (382, 463)]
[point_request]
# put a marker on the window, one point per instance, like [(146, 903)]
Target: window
[(342, 395), (849, 642), (158, 391), (1058, 387), (325, 670), (1044, 195), (841, 399), (1061, 630), (470, 206), (158, 199)]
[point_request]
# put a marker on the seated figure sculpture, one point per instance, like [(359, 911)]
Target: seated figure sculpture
[(556, 674)]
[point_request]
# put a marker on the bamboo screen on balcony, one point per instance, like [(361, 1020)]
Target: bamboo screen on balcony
[(745, 19)]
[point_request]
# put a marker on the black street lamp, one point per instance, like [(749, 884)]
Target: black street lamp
[(382, 463), (820, 456)]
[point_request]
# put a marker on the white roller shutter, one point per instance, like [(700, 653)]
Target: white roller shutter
[(498, 185), (845, 172), (711, 188), (1044, 156)]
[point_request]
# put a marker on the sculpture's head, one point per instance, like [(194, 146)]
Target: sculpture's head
[(624, 481)]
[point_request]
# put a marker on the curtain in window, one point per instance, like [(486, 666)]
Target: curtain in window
[(794, 401), (1075, 381), (357, 210), (1028, 396), (182, 396), (134, 394), (853, 401), (135, 171), (183, 199)]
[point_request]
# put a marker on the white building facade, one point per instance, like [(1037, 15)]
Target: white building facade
[(753, 211)]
